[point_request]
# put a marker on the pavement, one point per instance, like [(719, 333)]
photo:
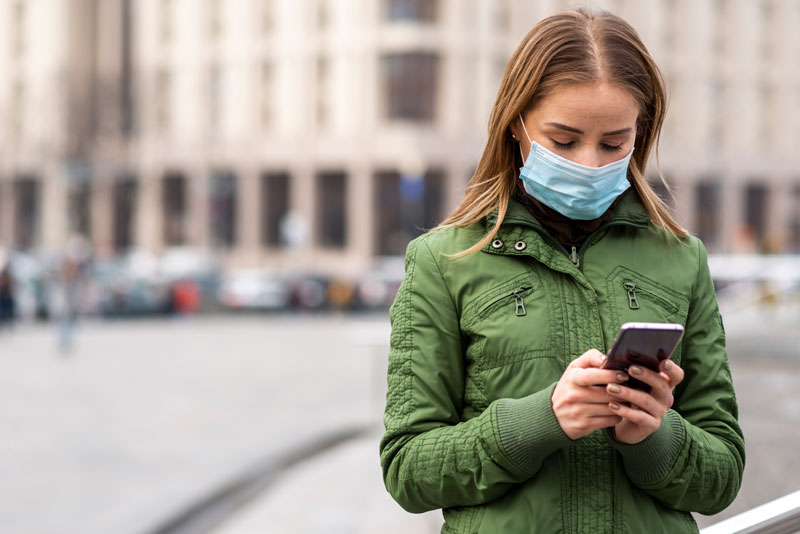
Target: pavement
[(146, 418)]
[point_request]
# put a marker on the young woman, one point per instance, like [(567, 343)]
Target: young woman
[(498, 410)]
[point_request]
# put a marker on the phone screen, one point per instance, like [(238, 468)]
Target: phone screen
[(645, 345)]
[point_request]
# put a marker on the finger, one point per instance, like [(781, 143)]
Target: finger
[(637, 417), (661, 388), (673, 371), (598, 377), (641, 400), (590, 358)]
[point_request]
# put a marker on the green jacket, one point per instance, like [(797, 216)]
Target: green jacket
[(478, 344)]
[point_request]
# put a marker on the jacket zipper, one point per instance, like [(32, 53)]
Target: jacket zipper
[(519, 301), (633, 302), (574, 258)]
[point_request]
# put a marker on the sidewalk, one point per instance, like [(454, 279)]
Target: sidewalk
[(337, 492)]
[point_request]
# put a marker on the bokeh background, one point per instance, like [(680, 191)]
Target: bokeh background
[(204, 206)]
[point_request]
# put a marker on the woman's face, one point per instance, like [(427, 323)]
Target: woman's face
[(593, 124)]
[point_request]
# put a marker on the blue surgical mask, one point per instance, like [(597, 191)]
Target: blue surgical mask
[(574, 190)]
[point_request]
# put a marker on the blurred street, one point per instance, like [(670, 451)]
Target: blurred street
[(145, 418)]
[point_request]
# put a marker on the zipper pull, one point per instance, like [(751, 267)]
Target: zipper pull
[(574, 257), (633, 302), (520, 303)]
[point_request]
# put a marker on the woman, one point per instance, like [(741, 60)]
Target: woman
[(497, 410)]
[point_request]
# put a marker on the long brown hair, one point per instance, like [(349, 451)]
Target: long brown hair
[(570, 47)]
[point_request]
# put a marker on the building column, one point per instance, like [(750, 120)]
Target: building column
[(779, 212), (6, 213), (197, 207), (53, 229), (248, 216), (100, 215), (361, 215), (149, 229)]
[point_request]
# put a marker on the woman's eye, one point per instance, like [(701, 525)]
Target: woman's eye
[(563, 146), (611, 148)]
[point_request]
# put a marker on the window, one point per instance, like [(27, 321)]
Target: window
[(214, 100), (174, 204), (719, 18), (222, 209), (275, 207), (708, 200), (79, 205), (27, 203), (162, 103), (503, 14), (322, 91), (124, 198), (670, 22), (405, 207), (17, 112), (18, 29), (267, 16), (323, 14), (165, 21), (214, 20), (410, 84), (267, 92), (126, 71), (794, 222), (716, 119), (755, 208), (331, 190), (412, 10)]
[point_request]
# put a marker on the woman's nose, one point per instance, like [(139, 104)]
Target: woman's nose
[(590, 158)]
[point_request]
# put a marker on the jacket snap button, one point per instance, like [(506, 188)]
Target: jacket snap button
[(497, 243), (520, 245)]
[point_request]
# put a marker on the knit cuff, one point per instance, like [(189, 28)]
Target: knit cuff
[(529, 430), (651, 459)]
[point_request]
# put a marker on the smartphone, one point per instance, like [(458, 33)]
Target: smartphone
[(645, 344)]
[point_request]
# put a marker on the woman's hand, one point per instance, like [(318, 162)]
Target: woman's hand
[(580, 399), (646, 410)]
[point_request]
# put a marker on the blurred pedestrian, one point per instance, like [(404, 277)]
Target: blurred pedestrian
[(8, 304), (68, 279), (498, 410)]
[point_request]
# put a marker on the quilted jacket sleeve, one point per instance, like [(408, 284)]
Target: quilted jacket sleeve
[(429, 456), (694, 461)]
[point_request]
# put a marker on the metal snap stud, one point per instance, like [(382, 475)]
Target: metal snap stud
[(520, 245), (497, 243)]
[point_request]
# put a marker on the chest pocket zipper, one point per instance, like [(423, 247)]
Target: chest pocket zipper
[(633, 302), (519, 302), (635, 293)]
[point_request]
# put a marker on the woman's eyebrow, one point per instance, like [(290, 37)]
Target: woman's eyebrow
[(580, 132), (564, 127)]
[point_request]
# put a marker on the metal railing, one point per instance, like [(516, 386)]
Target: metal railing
[(781, 516)]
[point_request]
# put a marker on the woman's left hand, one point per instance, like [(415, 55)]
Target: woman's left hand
[(646, 410)]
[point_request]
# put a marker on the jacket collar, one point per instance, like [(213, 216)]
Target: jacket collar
[(629, 211)]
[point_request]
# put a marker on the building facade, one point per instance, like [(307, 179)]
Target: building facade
[(322, 135)]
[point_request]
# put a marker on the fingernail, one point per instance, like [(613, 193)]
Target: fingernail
[(602, 358), (621, 377), (667, 365), (613, 389), (635, 370), (613, 405)]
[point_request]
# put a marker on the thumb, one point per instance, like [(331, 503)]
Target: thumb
[(590, 358)]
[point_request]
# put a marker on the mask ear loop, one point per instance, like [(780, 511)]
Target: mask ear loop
[(526, 135)]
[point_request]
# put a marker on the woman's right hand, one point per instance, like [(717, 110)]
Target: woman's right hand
[(580, 400)]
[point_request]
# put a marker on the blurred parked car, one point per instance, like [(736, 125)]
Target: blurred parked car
[(31, 289), (254, 290), (378, 288), (180, 267), (128, 285)]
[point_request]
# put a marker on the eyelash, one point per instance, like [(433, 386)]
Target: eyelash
[(567, 146)]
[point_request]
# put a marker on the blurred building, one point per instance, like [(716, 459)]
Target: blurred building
[(321, 135)]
